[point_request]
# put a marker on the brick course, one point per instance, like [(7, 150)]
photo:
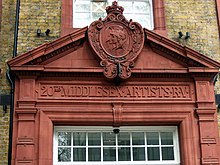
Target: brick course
[(38, 14), (197, 17)]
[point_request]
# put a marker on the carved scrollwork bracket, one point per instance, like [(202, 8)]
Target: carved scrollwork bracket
[(117, 42), (117, 114), (112, 70)]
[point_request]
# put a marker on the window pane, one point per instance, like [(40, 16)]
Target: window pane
[(153, 153), (96, 16), (81, 19), (167, 153), (124, 154), (124, 138), (82, 6), (109, 154), (64, 154), (143, 19), (64, 138), (94, 139), (79, 139), (85, 17), (127, 5), (79, 154), (94, 154), (152, 138), (98, 7), (138, 153), (138, 138), (141, 7), (166, 138), (108, 138)]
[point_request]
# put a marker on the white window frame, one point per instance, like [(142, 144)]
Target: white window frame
[(173, 129), (76, 25)]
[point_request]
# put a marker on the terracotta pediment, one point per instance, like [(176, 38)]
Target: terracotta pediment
[(74, 51), (118, 48)]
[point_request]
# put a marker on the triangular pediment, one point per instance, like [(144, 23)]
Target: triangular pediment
[(73, 52), (51, 51)]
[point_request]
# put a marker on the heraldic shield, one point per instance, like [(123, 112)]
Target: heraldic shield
[(117, 42)]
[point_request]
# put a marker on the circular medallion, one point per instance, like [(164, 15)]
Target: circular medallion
[(115, 39)]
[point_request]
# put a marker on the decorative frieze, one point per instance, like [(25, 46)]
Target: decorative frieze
[(66, 91)]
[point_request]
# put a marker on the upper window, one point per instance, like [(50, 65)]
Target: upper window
[(100, 145), (87, 11)]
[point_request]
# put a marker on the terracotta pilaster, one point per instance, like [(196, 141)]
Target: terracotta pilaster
[(25, 136), (206, 112), (159, 17), (25, 120)]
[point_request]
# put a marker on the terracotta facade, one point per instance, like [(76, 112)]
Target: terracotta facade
[(65, 83)]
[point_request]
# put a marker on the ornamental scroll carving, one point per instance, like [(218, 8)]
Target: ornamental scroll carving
[(116, 41)]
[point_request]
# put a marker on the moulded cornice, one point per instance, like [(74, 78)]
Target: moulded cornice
[(97, 69), (177, 52), (99, 74), (194, 55), (202, 69)]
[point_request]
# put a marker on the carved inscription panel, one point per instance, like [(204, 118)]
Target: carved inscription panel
[(68, 91)]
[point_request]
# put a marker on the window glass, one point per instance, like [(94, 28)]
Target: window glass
[(138, 138), (153, 153), (124, 154), (64, 138), (109, 138), (64, 154), (109, 154), (100, 145), (124, 138), (79, 154), (94, 154), (79, 138), (167, 153), (138, 153), (87, 11), (166, 138), (94, 139), (152, 138)]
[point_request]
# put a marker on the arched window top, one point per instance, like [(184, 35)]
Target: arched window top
[(151, 15), (87, 11)]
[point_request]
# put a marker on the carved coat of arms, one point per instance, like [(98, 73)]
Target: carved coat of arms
[(116, 41)]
